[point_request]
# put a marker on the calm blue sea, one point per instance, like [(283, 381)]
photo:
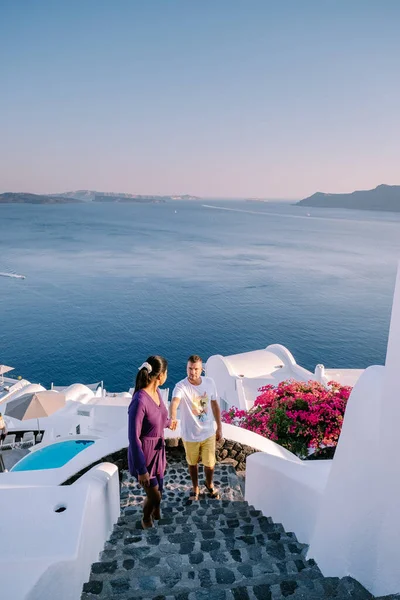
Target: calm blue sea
[(107, 285)]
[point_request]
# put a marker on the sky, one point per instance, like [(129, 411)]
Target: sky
[(228, 98)]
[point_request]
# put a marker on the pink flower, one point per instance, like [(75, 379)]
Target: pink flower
[(298, 415)]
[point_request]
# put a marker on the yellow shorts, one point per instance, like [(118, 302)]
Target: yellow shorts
[(204, 450)]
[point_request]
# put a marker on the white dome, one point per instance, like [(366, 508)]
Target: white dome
[(78, 392), (28, 389)]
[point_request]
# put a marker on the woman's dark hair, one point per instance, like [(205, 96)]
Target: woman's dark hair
[(158, 366)]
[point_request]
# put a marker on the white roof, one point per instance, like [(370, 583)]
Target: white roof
[(258, 363)]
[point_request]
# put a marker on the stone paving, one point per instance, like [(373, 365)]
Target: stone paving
[(211, 549)]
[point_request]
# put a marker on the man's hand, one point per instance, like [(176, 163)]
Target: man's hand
[(144, 480), (218, 434)]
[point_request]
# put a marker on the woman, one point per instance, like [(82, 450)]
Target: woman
[(3, 429), (147, 418)]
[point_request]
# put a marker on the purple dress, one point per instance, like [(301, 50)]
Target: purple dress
[(146, 424)]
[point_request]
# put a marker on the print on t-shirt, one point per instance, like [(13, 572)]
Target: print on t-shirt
[(200, 406)]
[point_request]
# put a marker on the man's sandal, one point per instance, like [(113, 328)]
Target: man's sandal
[(194, 496), (212, 492)]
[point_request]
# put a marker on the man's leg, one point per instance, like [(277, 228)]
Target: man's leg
[(209, 474), (192, 450), (194, 476), (208, 455)]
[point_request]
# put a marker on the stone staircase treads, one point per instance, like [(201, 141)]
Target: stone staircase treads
[(210, 549)]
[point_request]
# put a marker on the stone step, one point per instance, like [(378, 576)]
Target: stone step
[(254, 557), (204, 522), (236, 548), (251, 534), (221, 582), (148, 583), (211, 513)]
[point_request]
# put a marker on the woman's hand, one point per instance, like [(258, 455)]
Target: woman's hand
[(173, 425), (144, 480)]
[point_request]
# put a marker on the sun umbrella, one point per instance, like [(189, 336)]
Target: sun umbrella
[(4, 369), (34, 406)]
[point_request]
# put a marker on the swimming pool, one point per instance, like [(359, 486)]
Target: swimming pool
[(53, 456)]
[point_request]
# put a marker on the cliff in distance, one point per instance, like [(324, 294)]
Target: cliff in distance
[(93, 196), (383, 197), (24, 198), (85, 196)]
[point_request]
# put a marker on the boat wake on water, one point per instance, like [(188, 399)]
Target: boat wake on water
[(307, 216), (263, 213), (13, 275)]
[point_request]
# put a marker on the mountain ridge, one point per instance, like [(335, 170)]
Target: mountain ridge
[(384, 198)]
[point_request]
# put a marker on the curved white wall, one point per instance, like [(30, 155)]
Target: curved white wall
[(344, 541), (259, 442), (47, 555), (288, 491)]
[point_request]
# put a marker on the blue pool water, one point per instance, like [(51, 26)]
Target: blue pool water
[(53, 456)]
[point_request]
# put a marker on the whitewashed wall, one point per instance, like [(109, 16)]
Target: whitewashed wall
[(46, 555), (288, 491), (358, 528)]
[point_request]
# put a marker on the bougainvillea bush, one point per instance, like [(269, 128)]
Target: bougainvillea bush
[(297, 415)]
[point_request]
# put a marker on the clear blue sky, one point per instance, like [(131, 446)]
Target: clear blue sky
[(216, 97)]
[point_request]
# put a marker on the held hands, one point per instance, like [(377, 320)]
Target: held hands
[(144, 480), (173, 424)]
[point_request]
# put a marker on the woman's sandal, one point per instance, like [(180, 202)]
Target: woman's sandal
[(147, 524), (194, 496), (212, 492), (156, 514)]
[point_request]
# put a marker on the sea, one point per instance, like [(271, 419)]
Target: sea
[(109, 284)]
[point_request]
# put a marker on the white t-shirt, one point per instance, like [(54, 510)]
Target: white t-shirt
[(197, 418)]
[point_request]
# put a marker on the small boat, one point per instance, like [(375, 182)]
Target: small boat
[(14, 275)]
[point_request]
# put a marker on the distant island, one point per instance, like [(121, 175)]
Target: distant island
[(23, 198), (93, 196), (127, 200), (384, 197), (85, 196)]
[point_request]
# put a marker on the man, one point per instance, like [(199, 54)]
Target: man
[(199, 408)]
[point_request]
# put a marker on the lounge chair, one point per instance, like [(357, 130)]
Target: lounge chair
[(9, 441), (28, 439)]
